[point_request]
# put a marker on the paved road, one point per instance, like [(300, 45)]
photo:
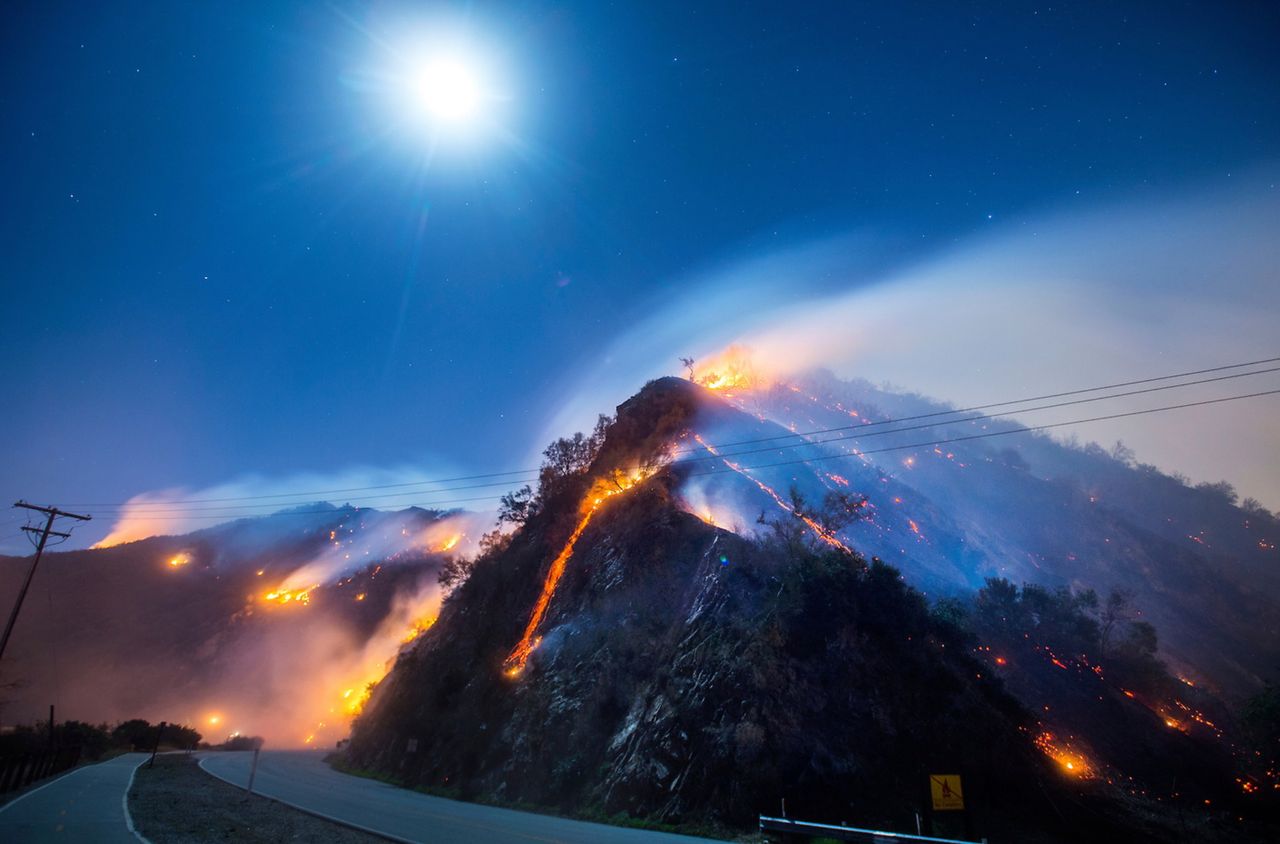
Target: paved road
[(86, 805), (302, 779)]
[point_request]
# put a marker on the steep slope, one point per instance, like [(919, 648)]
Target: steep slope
[(1025, 507), (682, 673)]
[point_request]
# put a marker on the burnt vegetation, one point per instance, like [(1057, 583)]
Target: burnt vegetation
[(690, 676)]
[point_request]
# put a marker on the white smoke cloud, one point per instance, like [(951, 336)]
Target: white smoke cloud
[(347, 552), (299, 682), (180, 510), (1070, 300)]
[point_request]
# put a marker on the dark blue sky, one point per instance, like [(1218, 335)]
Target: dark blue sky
[(219, 260)]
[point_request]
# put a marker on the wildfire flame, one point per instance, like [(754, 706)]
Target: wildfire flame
[(601, 491), (1069, 759), (418, 627), (287, 596), (354, 692), (730, 371), (819, 531), (179, 560)]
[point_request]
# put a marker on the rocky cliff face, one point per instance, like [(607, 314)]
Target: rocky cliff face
[(686, 674)]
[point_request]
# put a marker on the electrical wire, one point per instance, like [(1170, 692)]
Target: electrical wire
[(856, 454), (985, 435), (973, 408), (859, 431)]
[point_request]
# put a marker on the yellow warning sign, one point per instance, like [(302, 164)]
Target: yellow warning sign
[(946, 792)]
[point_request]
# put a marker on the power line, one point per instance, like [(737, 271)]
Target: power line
[(51, 515), (168, 508), (304, 494), (165, 508), (860, 453), (1099, 389), (333, 491), (1020, 430), (864, 425), (355, 508), (857, 430)]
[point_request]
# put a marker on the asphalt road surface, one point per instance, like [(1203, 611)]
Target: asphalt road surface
[(302, 779), (86, 805)]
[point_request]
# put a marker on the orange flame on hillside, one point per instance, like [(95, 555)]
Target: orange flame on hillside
[(1069, 759), (601, 491), (420, 626), (353, 690), (732, 370), (290, 596), (821, 532)]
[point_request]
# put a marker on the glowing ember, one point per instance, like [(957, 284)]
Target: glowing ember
[(600, 492), (353, 700), (291, 596), (1070, 760), (419, 627), (821, 532)]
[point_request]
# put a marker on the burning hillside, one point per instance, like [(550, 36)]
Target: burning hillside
[(954, 498), (624, 651), (703, 586), (274, 626)]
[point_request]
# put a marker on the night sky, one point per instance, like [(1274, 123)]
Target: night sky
[(230, 249)]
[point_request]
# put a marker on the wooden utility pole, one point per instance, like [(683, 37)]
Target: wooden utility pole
[(51, 513)]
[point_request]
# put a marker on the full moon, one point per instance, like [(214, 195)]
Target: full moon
[(448, 91)]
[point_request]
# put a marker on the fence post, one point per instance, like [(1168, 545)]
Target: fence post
[(253, 769), (156, 749)]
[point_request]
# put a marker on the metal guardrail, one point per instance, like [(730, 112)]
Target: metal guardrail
[(789, 827)]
